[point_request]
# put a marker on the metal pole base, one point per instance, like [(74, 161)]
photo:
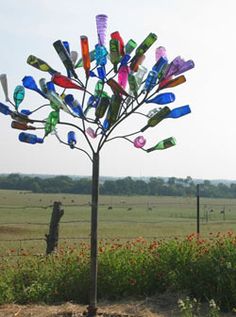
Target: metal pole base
[(91, 311)]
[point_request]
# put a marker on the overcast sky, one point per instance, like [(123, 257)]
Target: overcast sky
[(198, 30)]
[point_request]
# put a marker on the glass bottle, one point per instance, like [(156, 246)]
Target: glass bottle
[(157, 118), (92, 57), (65, 82), (123, 76), (29, 83), (5, 109), (114, 109), (169, 83), (115, 53), (151, 80), (65, 57), (160, 64), (146, 44), (116, 36), (140, 75), (18, 95), (101, 55), (3, 79), (21, 126), (74, 105), (130, 46), (85, 53), (51, 122), (101, 23), (29, 138), (71, 139), (162, 99), (164, 144), (102, 107), (160, 52), (133, 86), (40, 64), (116, 88), (179, 112)]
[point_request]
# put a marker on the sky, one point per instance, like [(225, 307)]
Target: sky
[(199, 30)]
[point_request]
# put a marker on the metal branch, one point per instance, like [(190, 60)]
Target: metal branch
[(74, 147)]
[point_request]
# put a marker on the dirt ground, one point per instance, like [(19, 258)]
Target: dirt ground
[(161, 306)]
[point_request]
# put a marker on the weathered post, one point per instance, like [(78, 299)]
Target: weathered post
[(52, 236)]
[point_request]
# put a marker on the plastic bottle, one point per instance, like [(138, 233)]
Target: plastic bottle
[(179, 112), (65, 57), (157, 118), (71, 139), (40, 64), (29, 138), (101, 22), (164, 144), (5, 109), (151, 80), (162, 99)]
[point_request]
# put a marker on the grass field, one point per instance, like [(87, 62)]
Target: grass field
[(24, 216)]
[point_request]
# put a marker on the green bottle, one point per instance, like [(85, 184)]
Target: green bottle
[(51, 122), (146, 44), (99, 88), (133, 86), (130, 46), (92, 56), (115, 53), (40, 64), (158, 117), (164, 144), (114, 109), (102, 107)]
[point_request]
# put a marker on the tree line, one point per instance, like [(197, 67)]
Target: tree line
[(126, 186)]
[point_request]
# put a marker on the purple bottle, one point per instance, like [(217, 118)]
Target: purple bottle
[(101, 21)]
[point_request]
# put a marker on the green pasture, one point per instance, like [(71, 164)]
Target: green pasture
[(25, 215)]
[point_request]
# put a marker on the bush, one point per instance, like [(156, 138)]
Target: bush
[(201, 268)]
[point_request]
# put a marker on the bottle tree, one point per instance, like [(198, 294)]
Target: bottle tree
[(97, 92)]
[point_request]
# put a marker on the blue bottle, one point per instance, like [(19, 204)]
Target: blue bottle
[(71, 139), (162, 99), (29, 82), (101, 72), (5, 109), (124, 60), (74, 105), (25, 112), (179, 112), (160, 64), (151, 80), (29, 138)]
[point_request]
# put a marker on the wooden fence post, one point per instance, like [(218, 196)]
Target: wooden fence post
[(52, 237)]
